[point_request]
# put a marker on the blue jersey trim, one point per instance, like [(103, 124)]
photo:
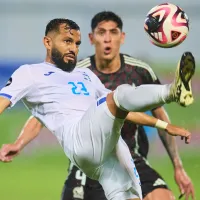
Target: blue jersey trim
[(100, 101), (6, 95)]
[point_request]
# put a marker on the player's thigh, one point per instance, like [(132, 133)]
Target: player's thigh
[(74, 187), (150, 179), (96, 136), (160, 193), (118, 175)]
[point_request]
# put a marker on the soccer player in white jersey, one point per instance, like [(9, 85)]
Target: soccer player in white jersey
[(87, 118)]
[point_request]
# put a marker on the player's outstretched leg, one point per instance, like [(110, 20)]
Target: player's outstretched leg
[(147, 97), (181, 88)]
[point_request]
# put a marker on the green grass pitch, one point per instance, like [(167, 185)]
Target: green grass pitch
[(41, 174)]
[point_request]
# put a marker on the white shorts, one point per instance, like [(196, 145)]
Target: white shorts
[(100, 152)]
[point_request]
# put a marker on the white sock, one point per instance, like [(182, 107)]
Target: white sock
[(141, 98)]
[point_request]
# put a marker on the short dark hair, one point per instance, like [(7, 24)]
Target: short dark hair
[(106, 16), (54, 24)]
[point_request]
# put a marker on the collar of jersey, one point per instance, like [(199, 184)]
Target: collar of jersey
[(52, 65), (47, 63), (93, 65)]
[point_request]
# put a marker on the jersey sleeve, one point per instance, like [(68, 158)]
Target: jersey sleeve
[(148, 75), (18, 86)]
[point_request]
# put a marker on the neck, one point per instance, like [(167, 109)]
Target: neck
[(48, 59), (108, 66)]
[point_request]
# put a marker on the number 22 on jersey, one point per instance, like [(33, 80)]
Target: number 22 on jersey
[(79, 88)]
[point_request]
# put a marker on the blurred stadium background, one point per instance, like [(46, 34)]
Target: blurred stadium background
[(40, 171)]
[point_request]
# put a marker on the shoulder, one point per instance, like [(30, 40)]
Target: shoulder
[(141, 65), (31, 66), (27, 71), (23, 69), (39, 65), (85, 63)]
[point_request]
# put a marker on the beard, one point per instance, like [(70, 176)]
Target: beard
[(58, 58)]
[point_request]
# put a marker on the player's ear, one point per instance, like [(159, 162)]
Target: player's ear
[(123, 37), (90, 35), (47, 42)]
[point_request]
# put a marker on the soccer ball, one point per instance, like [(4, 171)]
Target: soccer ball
[(167, 25)]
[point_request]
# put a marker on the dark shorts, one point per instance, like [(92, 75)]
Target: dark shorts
[(78, 186)]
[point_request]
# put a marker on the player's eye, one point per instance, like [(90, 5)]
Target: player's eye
[(114, 31), (101, 32), (68, 41)]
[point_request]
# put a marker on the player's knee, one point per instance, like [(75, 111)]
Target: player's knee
[(120, 96)]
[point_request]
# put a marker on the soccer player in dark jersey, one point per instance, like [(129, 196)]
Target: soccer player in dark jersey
[(114, 68)]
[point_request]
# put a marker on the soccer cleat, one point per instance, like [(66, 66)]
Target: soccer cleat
[(181, 89)]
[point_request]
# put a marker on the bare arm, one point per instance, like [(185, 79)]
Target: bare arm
[(141, 119), (30, 130), (147, 120), (182, 179), (4, 103), (168, 141)]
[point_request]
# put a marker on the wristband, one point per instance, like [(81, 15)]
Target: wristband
[(161, 124)]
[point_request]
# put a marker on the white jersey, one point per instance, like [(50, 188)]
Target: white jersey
[(67, 105), (49, 93)]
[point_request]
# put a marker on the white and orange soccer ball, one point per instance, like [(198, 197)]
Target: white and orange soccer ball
[(167, 25)]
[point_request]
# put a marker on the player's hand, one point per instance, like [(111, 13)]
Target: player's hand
[(184, 182), (177, 131), (8, 152)]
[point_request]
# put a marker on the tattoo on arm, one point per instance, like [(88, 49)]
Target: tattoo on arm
[(168, 141)]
